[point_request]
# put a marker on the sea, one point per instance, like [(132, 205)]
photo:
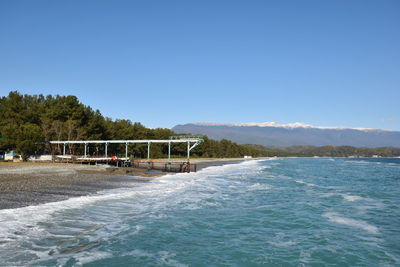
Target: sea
[(272, 212)]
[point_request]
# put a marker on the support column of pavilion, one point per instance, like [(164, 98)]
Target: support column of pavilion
[(148, 155), (168, 166)]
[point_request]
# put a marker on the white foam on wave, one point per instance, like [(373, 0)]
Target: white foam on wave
[(162, 257), (393, 165), (87, 257), (330, 194), (305, 183), (358, 161), (259, 187), (345, 196), (26, 217), (336, 218), (351, 198)]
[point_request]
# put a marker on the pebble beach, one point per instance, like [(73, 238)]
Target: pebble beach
[(24, 184), (30, 183)]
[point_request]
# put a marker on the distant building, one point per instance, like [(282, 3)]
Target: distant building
[(247, 157), (11, 155)]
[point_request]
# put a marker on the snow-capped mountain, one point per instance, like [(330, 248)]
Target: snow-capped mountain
[(275, 124), (275, 134)]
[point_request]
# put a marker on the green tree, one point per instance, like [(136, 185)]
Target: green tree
[(26, 139)]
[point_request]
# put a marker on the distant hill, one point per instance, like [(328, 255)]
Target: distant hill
[(283, 135)]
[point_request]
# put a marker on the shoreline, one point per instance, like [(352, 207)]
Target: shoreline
[(32, 183)]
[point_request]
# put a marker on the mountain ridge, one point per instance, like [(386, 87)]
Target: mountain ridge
[(288, 125), (282, 135)]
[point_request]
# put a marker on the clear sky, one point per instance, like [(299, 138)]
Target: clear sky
[(162, 63)]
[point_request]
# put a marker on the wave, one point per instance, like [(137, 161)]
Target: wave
[(163, 258), (15, 220), (280, 240), (26, 226), (259, 187), (334, 217), (347, 197), (88, 257), (283, 243), (351, 198), (305, 183), (358, 161)]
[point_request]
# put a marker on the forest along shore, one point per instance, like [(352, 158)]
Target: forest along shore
[(25, 184)]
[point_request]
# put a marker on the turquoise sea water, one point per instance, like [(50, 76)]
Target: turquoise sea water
[(279, 212)]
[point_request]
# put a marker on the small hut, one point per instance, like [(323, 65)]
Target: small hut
[(12, 156)]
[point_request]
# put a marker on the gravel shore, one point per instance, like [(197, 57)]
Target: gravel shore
[(24, 184)]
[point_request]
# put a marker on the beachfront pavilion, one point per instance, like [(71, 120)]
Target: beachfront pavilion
[(191, 142)]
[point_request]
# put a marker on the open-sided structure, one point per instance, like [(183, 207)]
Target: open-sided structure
[(192, 142)]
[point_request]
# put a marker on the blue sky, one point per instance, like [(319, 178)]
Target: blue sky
[(162, 63)]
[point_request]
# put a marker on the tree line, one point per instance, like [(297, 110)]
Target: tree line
[(344, 151), (28, 122), (328, 151)]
